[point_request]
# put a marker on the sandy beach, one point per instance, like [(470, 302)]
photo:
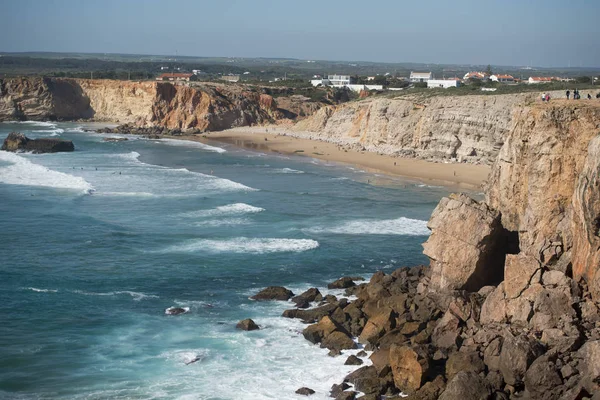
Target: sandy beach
[(466, 176)]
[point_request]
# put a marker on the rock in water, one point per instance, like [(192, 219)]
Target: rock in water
[(247, 325), (305, 391), (273, 293), (18, 142), (176, 310)]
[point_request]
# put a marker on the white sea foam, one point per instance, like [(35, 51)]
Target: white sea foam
[(169, 310), (34, 123), (190, 143), (399, 226), (243, 245), (21, 171), (137, 296), (223, 222), (54, 132), (42, 290), (229, 209), (288, 171)]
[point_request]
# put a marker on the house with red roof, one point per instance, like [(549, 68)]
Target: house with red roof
[(503, 78)]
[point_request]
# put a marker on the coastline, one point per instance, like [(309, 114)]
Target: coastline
[(464, 176)]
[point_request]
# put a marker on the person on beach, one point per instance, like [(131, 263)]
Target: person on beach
[(598, 95), (547, 97), (568, 94), (543, 96)]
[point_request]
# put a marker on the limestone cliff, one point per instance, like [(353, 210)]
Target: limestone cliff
[(204, 107), (545, 185), (463, 128)]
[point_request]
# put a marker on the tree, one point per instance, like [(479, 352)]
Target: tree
[(489, 70)]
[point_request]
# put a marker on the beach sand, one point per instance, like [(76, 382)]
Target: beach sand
[(467, 176)]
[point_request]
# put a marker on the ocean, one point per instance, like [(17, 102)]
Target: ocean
[(96, 244)]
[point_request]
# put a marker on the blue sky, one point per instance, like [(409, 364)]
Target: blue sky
[(508, 32)]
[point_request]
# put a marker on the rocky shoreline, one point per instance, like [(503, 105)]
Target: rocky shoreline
[(457, 344)]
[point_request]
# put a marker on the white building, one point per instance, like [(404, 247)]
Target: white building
[(482, 76), (420, 76), (442, 83), (539, 79), (339, 80), (503, 78)]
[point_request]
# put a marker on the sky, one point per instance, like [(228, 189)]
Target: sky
[(547, 33)]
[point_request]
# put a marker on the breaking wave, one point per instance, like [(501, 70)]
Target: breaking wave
[(399, 226), (243, 245)]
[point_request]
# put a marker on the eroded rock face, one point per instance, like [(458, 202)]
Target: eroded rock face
[(467, 245), (16, 142)]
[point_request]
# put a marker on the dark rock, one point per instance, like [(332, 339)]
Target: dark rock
[(273, 293), (349, 395), (431, 390), (338, 389), (312, 315), (517, 354), (175, 310), (364, 379), (459, 361), (542, 378), (308, 296), (115, 139), (361, 353), (305, 391), (16, 142), (466, 385), (342, 283), (247, 325), (338, 340), (353, 360)]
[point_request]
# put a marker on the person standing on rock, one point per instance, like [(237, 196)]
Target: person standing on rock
[(568, 94)]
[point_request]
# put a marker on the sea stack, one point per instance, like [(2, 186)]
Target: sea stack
[(17, 142)]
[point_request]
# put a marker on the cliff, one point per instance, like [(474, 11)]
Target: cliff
[(459, 128), (204, 107)]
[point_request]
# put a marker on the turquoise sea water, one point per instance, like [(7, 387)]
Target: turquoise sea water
[(96, 244)]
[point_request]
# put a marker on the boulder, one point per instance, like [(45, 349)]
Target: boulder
[(16, 142), (551, 306), (342, 283), (542, 378), (518, 273), (410, 367), (364, 379), (431, 390), (447, 331), (353, 360), (461, 361), (346, 395), (467, 245), (308, 296), (493, 309), (176, 310), (247, 325), (466, 386), (590, 355), (305, 391), (517, 354), (314, 314), (317, 332), (337, 341), (338, 389), (273, 293), (377, 326)]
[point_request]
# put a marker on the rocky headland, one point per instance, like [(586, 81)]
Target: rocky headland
[(17, 142), (509, 306)]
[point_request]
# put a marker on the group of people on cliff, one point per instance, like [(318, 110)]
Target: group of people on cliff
[(577, 95)]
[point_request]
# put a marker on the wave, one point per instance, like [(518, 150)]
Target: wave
[(34, 123), (42, 290), (21, 171), (223, 222), (229, 209), (54, 132), (243, 245), (399, 226), (191, 143), (137, 296), (288, 171)]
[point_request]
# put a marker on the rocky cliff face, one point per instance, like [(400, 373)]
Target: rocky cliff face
[(204, 107), (545, 187), (464, 128)]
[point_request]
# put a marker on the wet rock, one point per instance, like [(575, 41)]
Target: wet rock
[(410, 366), (302, 300), (346, 395), (247, 325), (364, 379), (176, 310), (317, 332), (342, 283), (338, 340), (479, 259), (517, 354), (273, 293), (314, 314), (305, 391), (17, 142), (466, 385), (338, 389), (353, 360)]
